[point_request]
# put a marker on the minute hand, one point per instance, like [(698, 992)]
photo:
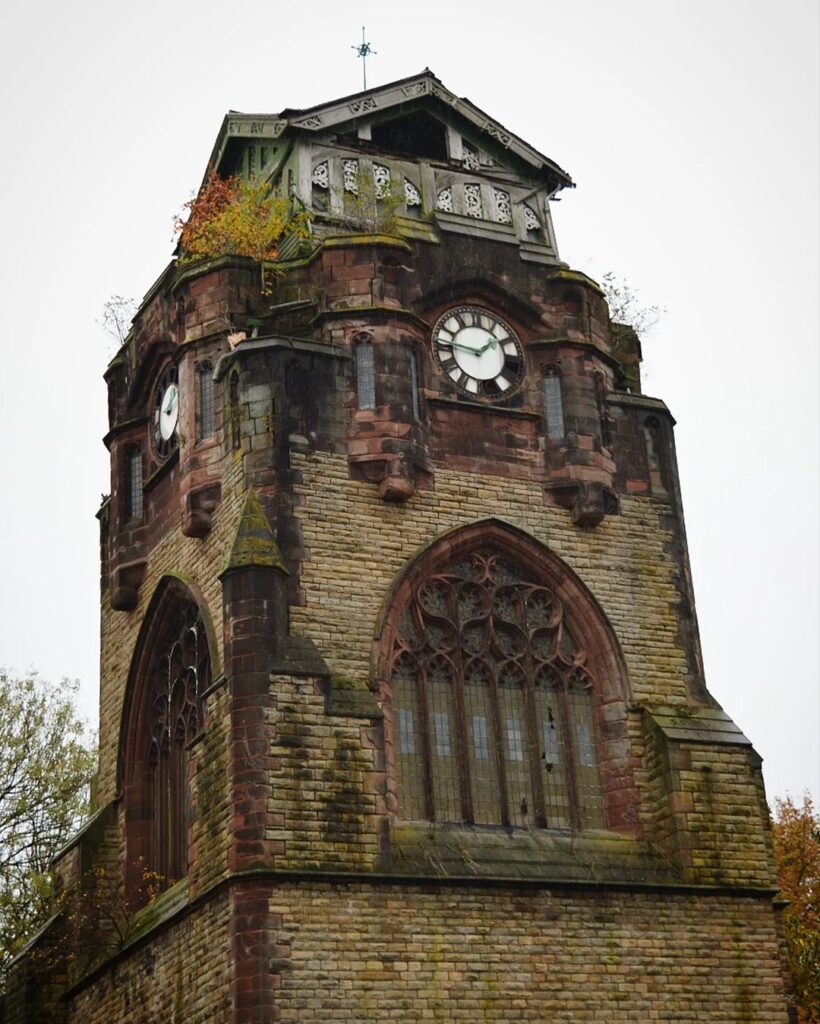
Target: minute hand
[(467, 348)]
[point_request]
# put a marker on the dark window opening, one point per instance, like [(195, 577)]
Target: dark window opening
[(234, 419), (414, 385), (416, 134), (134, 507), (205, 411)]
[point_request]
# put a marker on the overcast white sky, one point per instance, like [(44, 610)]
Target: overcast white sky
[(691, 129)]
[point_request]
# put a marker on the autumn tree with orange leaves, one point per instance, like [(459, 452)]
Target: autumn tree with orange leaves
[(797, 853), (234, 217)]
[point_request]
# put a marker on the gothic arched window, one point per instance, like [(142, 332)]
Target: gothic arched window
[(171, 671), (492, 694)]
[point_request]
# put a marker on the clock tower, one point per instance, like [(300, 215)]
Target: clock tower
[(403, 714)]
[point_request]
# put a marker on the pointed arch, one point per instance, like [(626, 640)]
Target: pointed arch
[(171, 669), (504, 687)]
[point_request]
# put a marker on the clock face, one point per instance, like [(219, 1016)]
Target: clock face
[(479, 352), (165, 413)]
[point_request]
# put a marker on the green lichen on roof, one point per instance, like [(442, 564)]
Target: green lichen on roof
[(254, 543)]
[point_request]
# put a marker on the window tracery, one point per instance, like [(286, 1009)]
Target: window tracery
[(181, 674), (170, 673), (492, 701)]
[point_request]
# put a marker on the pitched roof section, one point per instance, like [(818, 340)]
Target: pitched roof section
[(254, 543), (424, 87)]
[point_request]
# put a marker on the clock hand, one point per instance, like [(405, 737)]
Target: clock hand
[(491, 343), (465, 348), (171, 397)]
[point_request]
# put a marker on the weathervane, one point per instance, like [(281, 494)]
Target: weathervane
[(364, 51)]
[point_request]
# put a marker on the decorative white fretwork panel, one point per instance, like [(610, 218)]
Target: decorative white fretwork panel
[(469, 156), (321, 175), (350, 175), (445, 200), (412, 197), (531, 222), (503, 209), (381, 179), (472, 201)]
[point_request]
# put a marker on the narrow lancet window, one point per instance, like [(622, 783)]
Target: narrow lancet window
[(554, 404), (365, 376), (205, 417), (235, 421), (133, 484), (414, 385)]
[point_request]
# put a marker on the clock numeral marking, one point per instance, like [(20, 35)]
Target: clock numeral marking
[(449, 364), (444, 337), (503, 383), (462, 379)]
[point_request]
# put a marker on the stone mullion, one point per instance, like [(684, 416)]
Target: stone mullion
[(531, 726), (427, 755), (569, 746), (462, 740), (498, 736)]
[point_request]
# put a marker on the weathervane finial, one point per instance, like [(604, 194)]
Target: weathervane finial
[(363, 50)]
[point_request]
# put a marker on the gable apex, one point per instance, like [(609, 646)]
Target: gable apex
[(424, 89)]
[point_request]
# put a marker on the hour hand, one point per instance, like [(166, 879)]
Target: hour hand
[(489, 343)]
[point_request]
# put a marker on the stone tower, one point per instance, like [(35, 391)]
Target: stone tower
[(403, 714)]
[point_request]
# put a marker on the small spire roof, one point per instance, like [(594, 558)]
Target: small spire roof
[(254, 543)]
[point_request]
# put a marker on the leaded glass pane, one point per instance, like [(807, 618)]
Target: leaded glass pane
[(444, 763), (134, 496), (479, 643), (205, 419), (586, 766), (408, 751), (553, 759), (554, 404), (365, 377), (181, 675), (483, 763), (414, 385), (515, 752)]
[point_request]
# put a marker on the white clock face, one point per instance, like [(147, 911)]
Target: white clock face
[(165, 413), (479, 352), (169, 412)]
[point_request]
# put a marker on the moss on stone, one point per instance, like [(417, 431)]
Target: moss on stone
[(254, 543)]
